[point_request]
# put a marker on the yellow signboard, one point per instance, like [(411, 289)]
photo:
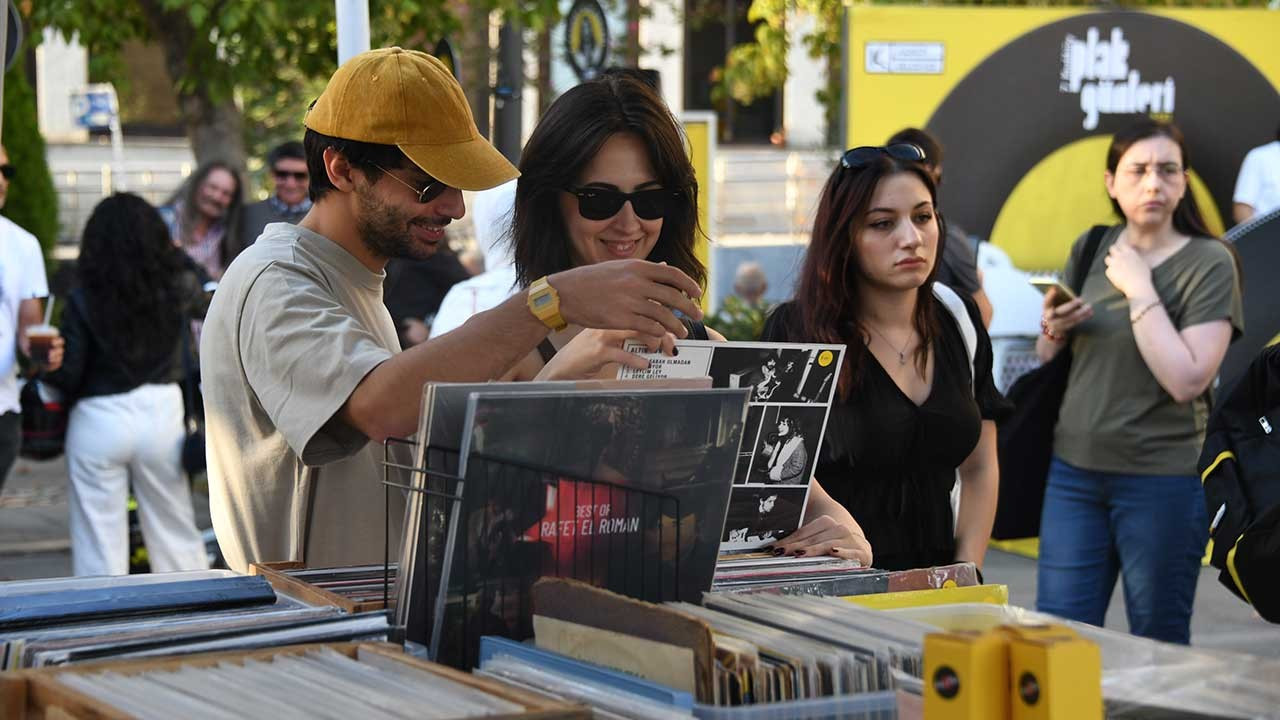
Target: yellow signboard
[(700, 132), (1025, 100)]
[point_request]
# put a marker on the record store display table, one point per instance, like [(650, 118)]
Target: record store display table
[(217, 644)]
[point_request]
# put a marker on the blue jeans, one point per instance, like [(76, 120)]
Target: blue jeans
[(1151, 528)]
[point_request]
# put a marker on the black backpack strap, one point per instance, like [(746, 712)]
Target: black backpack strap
[(1091, 244), (546, 350), (697, 331)]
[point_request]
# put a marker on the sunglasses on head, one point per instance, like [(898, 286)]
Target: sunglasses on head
[(286, 174), (596, 203), (861, 156), (433, 189), (8, 171)]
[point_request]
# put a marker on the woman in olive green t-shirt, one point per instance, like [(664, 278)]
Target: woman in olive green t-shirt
[(1159, 304)]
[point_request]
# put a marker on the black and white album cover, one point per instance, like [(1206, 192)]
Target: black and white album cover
[(792, 385), (759, 516)]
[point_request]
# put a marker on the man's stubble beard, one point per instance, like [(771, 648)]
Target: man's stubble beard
[(384, 230)]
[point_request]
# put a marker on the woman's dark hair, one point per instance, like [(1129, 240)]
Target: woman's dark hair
[(232, 243), (132, 277), (567, 137), (365, 156), (1187, 218), (826, 299)]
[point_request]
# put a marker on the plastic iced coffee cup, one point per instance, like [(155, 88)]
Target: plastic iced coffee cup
[(40, 342)]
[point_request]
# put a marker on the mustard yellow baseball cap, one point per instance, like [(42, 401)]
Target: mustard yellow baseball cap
[(406, 98)]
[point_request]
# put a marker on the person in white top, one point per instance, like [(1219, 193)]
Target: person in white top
[(22, 285), (1258, 186), (491, 210)]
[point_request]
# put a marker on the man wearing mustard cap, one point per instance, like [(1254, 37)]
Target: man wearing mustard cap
[(301, 365)]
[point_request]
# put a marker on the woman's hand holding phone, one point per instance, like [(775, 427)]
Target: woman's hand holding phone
[(1060, 318)]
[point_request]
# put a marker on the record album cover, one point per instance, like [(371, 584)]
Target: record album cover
[(792, 385)]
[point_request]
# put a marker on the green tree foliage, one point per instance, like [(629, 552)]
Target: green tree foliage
[(738, 320), (229, 56), (32, 202)]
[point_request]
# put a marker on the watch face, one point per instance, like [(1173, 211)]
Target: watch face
[(541, 301)]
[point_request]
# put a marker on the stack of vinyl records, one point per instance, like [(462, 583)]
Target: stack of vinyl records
[(354, 588), (71, 620), (761, 572), (310, 681)]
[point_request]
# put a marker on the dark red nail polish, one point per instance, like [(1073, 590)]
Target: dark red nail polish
[(675, 351), (779, 551), (798, 553)]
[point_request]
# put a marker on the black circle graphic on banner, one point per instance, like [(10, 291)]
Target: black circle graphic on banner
[(946, 683), (1008, 113), (1258, 242), (1029, 688), (586, 39)]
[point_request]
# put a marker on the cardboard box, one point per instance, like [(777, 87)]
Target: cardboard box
[(966, 676), (1056, 675), (32, 694)]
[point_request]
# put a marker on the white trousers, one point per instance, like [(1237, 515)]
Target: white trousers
[(132, 438)]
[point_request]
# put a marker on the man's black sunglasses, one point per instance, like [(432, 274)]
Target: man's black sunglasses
[(602, 203), (860, 156), (8, 171), (286, 174), (433, 189)]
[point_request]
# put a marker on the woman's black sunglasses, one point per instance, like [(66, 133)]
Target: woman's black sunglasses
[(860, 156), (601, 203)]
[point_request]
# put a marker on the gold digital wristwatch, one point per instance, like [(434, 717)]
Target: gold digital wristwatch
[(544, 303)]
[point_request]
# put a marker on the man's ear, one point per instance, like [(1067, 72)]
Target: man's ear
[(340, 171)]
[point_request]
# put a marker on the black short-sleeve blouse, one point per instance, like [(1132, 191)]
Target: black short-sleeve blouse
[(892, 463)]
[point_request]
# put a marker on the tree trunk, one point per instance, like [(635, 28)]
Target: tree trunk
[(631, 51), (473, 59), (215, 126), (545, 92)]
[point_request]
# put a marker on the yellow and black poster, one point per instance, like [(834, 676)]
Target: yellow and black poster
[(1024, 101)]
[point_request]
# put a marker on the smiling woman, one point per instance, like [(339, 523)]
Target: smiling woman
[(604, 177)]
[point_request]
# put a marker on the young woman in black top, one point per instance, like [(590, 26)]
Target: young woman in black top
[(604, 177), (909, 411)]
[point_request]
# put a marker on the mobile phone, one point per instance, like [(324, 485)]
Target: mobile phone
[(1063, 295)]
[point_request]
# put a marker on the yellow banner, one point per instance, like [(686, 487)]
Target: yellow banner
[(1025, 100)]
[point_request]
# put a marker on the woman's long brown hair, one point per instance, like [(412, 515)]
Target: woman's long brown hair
[(827, 301)]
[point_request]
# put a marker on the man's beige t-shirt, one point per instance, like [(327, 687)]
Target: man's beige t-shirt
[(294, 326), (1115, 416)]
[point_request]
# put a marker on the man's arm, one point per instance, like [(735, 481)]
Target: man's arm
[(629, 295), (1241, 212)]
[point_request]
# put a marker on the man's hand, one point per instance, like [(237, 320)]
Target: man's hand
[(633, 295)]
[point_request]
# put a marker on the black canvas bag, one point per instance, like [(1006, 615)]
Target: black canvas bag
[(44, 420), (1025, 438)]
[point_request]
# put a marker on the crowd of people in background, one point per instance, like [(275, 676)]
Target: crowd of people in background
[(363, 298)]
